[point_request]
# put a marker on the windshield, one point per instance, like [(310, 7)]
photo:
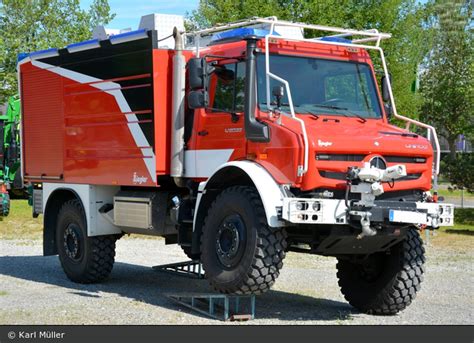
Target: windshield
[(321, 86)]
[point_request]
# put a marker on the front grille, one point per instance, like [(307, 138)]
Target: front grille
[(359, 157), (413, 176), (339, 157), (404, 159), (333, 175), (342, 176)]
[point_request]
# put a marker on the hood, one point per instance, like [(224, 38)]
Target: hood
[(352, 136)]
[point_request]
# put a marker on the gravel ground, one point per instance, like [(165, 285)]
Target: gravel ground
[(34, 290)]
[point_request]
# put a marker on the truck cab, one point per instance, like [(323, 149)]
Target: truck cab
[(242, 143)]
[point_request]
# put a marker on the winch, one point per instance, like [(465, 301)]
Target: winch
[(367, 181)]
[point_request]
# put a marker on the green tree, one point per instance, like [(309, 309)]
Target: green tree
[(460, 171), (403, 18), (447, 83), (33, 25)]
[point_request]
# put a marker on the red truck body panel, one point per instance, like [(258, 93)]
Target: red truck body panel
[(43, 138), (91, 117)]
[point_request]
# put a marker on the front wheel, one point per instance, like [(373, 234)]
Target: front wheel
[(84, 259), (188, 252), (384, 283), (241, 254)]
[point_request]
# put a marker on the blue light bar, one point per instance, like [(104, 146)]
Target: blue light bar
[(128, 36), (44, 53), (336, 39), (239, 34), (85, 45), (21, 56)]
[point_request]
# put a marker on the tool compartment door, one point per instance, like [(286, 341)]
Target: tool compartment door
[(43, 123)]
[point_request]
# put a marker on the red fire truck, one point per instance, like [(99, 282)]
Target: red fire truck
[(241, 143)]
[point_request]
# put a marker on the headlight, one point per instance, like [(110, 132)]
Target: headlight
[(301, 206)]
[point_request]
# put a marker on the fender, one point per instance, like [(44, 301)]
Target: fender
[(271, 193), (92, 198)]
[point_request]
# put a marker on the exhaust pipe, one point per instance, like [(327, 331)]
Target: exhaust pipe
[(177, 119)]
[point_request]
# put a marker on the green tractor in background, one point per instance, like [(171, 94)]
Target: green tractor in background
[(10, 174)]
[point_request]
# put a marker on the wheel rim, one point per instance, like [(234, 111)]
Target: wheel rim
[(73, 242), (371, 269), (230, 240)]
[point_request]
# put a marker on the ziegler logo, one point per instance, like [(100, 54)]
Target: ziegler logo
[(321, 143), (138, 180), (416, 146)]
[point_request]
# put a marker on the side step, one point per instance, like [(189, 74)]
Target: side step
[(190, 268), (218, 306)]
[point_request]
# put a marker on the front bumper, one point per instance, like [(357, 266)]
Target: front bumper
[(335, 211)]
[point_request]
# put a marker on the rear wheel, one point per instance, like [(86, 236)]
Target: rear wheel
[(83, 259), (384, 283), (241, 254)]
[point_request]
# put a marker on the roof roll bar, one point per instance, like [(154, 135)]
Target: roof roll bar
[(369, 35), (372, 33)]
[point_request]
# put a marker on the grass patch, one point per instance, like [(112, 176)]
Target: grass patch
[(464, 216), (457, 227), (20, 223), (453, 243), (455, 193), (3, 293)]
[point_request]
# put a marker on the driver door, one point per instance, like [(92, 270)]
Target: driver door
[(221, 137)]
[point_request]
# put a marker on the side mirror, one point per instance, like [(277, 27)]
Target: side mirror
[(278, 92), (197, 99), (385, 83), (197, 73)]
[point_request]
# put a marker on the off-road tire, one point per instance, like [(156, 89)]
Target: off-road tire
[(264, 248), (189, 254), (395, 286), (96, 254)]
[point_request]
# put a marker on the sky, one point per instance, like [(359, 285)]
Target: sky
[(129, 12)]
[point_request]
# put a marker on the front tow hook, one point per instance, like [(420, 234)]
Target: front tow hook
[(367, 231)]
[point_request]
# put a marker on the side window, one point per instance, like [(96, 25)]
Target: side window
[(229, 81)]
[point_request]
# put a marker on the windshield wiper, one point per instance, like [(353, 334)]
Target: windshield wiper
[(343, 109), (306, 111), (301, 110)]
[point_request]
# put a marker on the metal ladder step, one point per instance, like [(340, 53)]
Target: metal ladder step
[(191, 268), (218, 306)]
